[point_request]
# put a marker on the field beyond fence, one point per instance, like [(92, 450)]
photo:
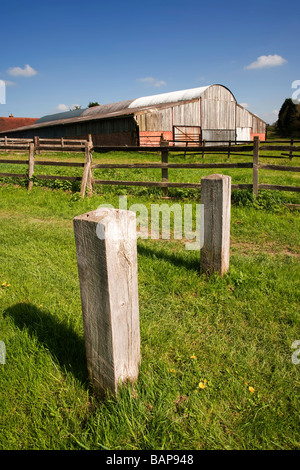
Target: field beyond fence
[(255, 153)]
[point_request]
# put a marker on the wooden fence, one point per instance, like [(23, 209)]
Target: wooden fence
[(37, 146), (252, 150)]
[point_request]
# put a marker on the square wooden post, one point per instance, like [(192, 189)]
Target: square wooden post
[(164, 159), (30, 166), (216, 198), (255, 165), (86, 182), (107, 265)]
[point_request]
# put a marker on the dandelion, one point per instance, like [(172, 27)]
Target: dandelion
[(202, 385), (5, 284), (192, 357), (251, 389), (172, 370)]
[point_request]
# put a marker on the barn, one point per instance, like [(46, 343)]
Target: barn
[(208, 113)]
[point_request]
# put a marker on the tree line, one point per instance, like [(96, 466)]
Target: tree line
[(288, 123)]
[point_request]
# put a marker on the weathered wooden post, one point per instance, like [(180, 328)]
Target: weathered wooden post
[(37, 144), (164, 159), (30, 166), (216, 198), (86, 182), (203, 145), (255, 165), (107, 265)]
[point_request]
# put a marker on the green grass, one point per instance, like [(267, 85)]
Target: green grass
[(239, 175), (228, 333)]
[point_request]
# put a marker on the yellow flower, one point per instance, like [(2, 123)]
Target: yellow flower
[(172, 370), (193, 357), (251, 389), (4, 285), (202, 385)]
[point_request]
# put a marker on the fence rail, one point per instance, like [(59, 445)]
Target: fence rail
[(164, 149)]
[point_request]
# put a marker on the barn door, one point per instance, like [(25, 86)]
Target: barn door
[(190, 135)]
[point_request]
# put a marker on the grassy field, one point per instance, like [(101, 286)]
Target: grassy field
[(217, 369), (175, 175)]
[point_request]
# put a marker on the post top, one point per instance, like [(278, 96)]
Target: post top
[(216, 176), (106, 213)]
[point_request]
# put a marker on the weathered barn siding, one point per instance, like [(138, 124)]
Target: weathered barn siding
[(155, 120), (218, 108), (187, 114), (119, 131), (251, 122)]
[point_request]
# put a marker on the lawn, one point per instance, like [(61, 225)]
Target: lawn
[(217, 369)]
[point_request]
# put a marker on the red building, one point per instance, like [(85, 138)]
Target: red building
[(8, 123)]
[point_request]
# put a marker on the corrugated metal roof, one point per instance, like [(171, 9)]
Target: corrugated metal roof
[(173, 96), (119, 107), (64, 115), (107, 108)]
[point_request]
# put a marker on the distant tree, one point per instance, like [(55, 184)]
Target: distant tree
[(93, 103), (288, 124), (76, 106)]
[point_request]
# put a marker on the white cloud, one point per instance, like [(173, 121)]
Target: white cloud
[(66, 107), (266, 61), (245, 105), (152, 81), (62, 107), (27, 71)]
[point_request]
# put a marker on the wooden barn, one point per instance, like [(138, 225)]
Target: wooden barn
[(208, 113)]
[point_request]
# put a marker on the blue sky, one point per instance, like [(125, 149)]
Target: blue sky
[(54, 55)]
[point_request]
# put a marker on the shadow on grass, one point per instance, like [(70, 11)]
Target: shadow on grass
[(64, 344), (186, 259)]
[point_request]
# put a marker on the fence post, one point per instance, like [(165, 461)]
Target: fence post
[(203, 145), (291, 152), (86, 181), (255, 165), (107, 266), (164, 159), (229, 145), (30, 166), (37, 144), (216, 198), (90, 174)]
